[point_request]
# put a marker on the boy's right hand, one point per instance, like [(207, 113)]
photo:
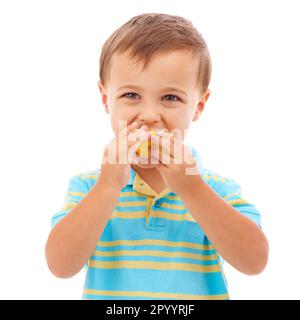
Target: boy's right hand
[(114, 173)]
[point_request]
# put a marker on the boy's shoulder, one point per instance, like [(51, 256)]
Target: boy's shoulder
[(88, 175), (85, 179), (213, 176), (221, 184)]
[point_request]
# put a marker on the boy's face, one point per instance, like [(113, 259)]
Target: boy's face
[(163, 96)]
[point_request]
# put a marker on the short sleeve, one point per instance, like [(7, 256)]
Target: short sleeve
[(77, 190), (231, 192)]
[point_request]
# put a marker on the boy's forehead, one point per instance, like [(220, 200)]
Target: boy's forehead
[(174, 68)]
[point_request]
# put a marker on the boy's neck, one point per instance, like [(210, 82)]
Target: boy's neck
[(152, 172), (152, 177)]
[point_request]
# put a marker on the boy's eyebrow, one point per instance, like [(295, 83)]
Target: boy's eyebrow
[(140, 88)]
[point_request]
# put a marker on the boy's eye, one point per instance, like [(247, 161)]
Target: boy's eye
[(171, 95), (133, 95), (129, 95)]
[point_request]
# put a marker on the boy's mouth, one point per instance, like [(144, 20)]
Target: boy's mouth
[(146, 148)]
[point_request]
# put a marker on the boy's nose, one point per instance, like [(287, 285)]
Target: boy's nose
[(149, 118)]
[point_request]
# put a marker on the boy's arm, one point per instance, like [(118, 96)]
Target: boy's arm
[(73, 240), (237, 239)]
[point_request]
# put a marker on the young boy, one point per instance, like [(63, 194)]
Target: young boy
[(155, 229)]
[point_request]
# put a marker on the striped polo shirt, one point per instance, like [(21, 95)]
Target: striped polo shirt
[(152, 247)]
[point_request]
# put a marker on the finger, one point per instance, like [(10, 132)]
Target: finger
[(130, 128), (168, 146), (135, 145), (127, 128), (136, 134), (165, 144), (139, 126), (125, 142), (160, 153), (175, 136), (176, 144)]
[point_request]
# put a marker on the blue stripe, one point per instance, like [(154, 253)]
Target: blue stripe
[(128, 188), (178, 231), (74, 198), (133, 198), (55, 219), (251, 210), (182, 211), (156, 259), (130, 209), (153, 247), (252, 216), (169, 201), (237, 205), (233, 197), (173, 281)]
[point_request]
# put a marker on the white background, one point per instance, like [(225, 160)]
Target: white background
[(53, 125)]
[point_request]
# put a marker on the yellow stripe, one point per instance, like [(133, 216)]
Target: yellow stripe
[(154, 242), (153, 265), (237, 201), (77, 193), (129, 215), (156, 294), (89, 176), (173, 216), (69, 205), (144, 203), (173, 206), (215, 177), (156, 214), (135, 194), (167, 254), (132, 203), (219, 178), (175, 197), (231, 195), (129, 194)]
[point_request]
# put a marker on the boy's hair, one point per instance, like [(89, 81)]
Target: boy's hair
[(147, 34)]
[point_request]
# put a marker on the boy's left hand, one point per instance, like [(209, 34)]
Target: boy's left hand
[(178, 174)]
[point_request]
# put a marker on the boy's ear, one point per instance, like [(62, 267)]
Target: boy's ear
[(201, 105), (103, 95)]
